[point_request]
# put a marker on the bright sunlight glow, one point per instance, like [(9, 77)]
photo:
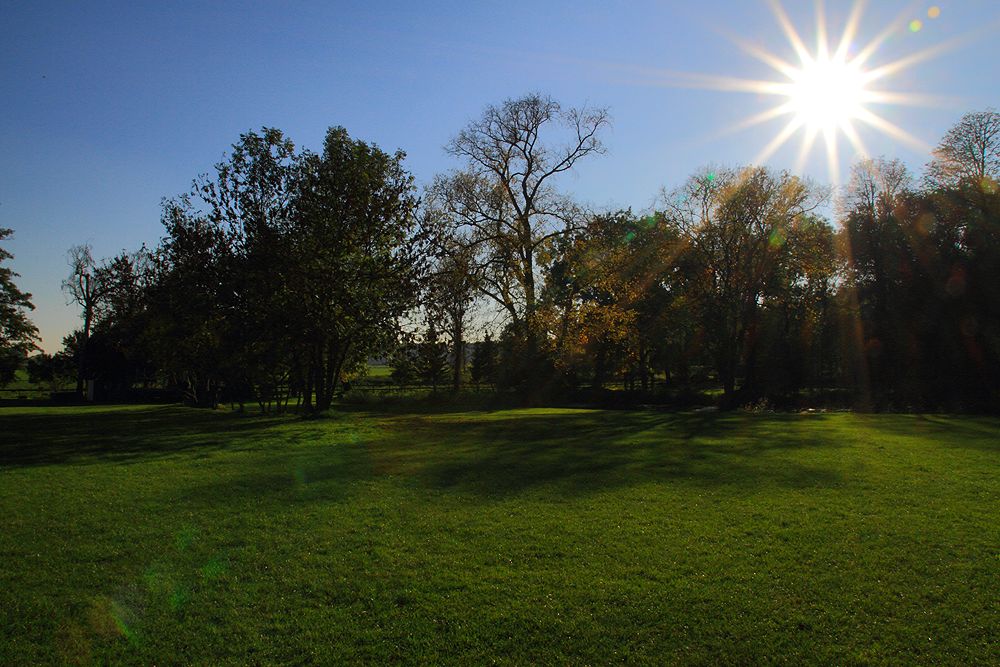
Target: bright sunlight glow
[(826, 94), (829, 89)]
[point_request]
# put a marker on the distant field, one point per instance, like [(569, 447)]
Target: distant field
[(20, 387), (173, 536), (375, 371)]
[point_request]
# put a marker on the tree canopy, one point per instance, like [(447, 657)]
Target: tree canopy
[(18, 335), (283, 271)]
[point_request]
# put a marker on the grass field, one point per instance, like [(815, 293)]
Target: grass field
[(172, 536)]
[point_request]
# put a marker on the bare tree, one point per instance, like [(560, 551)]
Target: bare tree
[(451, 294), (969, 151), (85, 287), (505, 197), (875, 187)]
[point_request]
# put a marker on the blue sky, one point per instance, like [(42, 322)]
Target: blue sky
[(108, 107)]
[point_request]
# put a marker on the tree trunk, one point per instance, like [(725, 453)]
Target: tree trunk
[(307, 388), (319, 378), (328, 375), (727, 374), (458, 363), (643, 366), (88, 316)]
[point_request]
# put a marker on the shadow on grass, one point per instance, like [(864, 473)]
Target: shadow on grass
[(488, 454), (588, 451), (56, 435), (935, 430)]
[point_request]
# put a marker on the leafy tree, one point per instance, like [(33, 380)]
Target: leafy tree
[(432, 357), (252, 198), (451, 291), (878, 261), (189, 302), (607, 288), (403, 361), (55, 370), (356, 258), (734, 224), (18, 335), (484, 361), (120, 353), (794, 344)]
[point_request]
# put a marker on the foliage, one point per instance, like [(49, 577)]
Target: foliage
[(969, 153), (45, 369), (505, 200), (18, 334), (735, 225), (484, 361), (404, 363), (432, 358), (278, 275), (283, 272), (357, 257)]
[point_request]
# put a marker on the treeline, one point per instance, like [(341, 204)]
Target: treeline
[(285, 271)]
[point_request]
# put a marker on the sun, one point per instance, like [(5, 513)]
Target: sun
[(827, 94), (828, 91)]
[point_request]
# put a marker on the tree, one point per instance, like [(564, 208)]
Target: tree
[(879, 259), (85, 287), (403, 361), (120, 353), (451, 290), (794, 342), (734, 224), (56, 370), (607, 290), (484, 361), (18, 335), (505, 197), (356, 258), (969, 153), (252, 199), (432, 357), (189, 299)]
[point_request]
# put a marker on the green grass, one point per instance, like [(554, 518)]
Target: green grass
[(22, 387), (379, 371), (171, 536)]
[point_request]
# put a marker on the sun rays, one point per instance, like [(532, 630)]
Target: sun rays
[(829, 90)]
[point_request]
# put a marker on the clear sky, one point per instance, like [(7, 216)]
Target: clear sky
[(108, 107)]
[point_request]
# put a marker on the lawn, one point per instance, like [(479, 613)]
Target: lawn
[(173, 536)]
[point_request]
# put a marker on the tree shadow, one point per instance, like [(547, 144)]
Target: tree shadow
[(590, 451), (488, 454), (55, 435), (953, 431)]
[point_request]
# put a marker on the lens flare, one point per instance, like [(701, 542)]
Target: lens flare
[(829, 90)]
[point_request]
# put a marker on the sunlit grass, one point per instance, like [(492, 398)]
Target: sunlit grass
[(166, 535)]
